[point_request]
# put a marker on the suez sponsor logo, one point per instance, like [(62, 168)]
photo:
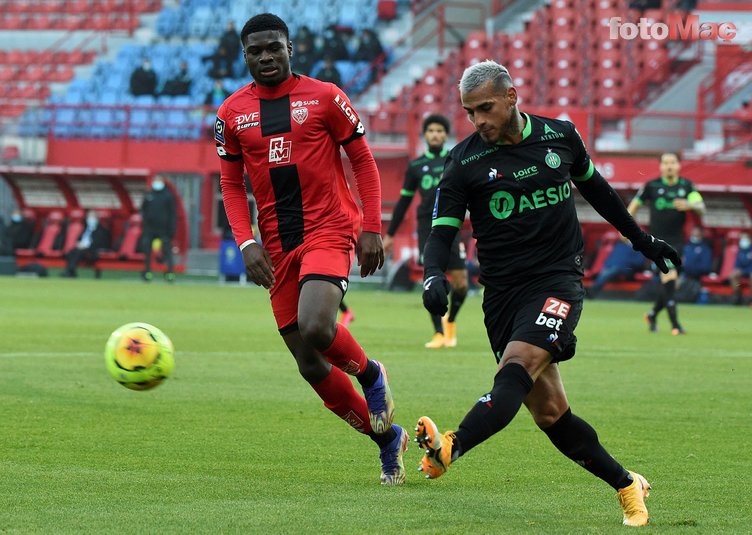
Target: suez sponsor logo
[(689, 29), (553, 307), (299, 103)]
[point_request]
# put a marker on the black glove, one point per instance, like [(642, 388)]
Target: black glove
[(657, 251), (435, 294)]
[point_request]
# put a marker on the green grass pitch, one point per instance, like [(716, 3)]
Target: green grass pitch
[(236, 442)]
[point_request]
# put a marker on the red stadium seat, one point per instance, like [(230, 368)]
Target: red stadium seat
[(74, 229), (78, 6), (607, 242), (128, 249), (39, 21), (63, 73), (386, 9), (70, 22), (727, 261), (7, 73), (477, 40), (51, 229)]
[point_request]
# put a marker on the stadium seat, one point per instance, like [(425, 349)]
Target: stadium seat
[(728, 261), (51, 230), (128, 248), (74, 228), (607, 242)]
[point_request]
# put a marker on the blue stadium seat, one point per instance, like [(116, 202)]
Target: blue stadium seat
[(167, 22)]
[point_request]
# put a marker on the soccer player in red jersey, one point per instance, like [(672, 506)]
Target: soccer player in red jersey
[(286, 131)]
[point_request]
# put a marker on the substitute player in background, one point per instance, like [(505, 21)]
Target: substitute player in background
[(286, 130), (423, 174), (530, 251), (670, 197)]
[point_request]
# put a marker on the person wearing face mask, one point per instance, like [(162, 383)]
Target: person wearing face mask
[(742, 267), (90, 242), (698, 257), (18, 233), (159, 221), (144, 80)]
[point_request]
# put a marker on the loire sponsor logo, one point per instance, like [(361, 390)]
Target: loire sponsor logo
[(689, 29)]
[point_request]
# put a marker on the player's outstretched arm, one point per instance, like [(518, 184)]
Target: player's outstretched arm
[(258, 265), (370, 252)]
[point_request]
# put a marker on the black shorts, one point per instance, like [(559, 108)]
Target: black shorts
[(456, 253), (544, 316)]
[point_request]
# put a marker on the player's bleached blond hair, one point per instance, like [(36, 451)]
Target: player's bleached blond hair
[(480, 73)]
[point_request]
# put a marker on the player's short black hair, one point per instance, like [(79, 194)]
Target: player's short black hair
[(672, 153), (436, 119), (264, 22)]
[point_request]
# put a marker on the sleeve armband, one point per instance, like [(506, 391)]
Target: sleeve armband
[(588, 173), (359, 131), (447, 221), (222, 153)]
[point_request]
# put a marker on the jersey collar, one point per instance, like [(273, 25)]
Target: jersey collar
[(430, 155), (276, 91), (666, 182)]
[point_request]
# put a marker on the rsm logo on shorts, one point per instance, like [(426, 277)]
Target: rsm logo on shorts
[(553, 307), (503, 203)]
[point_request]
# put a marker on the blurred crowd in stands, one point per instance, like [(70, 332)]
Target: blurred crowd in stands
[(333, 56)]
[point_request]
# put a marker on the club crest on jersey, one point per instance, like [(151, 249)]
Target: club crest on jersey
[(552, 159), (300, 115), (279, 150), (219, 131)]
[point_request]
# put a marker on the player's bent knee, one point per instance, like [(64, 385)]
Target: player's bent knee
[(317, 331)]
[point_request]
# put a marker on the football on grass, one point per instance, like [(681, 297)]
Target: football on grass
[(139, 356)]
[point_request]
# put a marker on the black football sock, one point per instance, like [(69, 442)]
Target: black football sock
[(455, 302), (495, 410), (369, 375), (383, 439), (576, 439), (670, 289), (436, 320), (660, 301)]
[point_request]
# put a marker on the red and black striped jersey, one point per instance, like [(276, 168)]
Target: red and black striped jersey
[(288, 139)]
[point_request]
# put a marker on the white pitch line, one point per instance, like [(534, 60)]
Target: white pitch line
[(58, 354)]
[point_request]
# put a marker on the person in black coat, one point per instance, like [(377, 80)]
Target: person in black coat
[(159, 216), (304, 58), (180, 84), (230, 42), (144, 80), (330, 73), (91, 241), (17, 235)]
